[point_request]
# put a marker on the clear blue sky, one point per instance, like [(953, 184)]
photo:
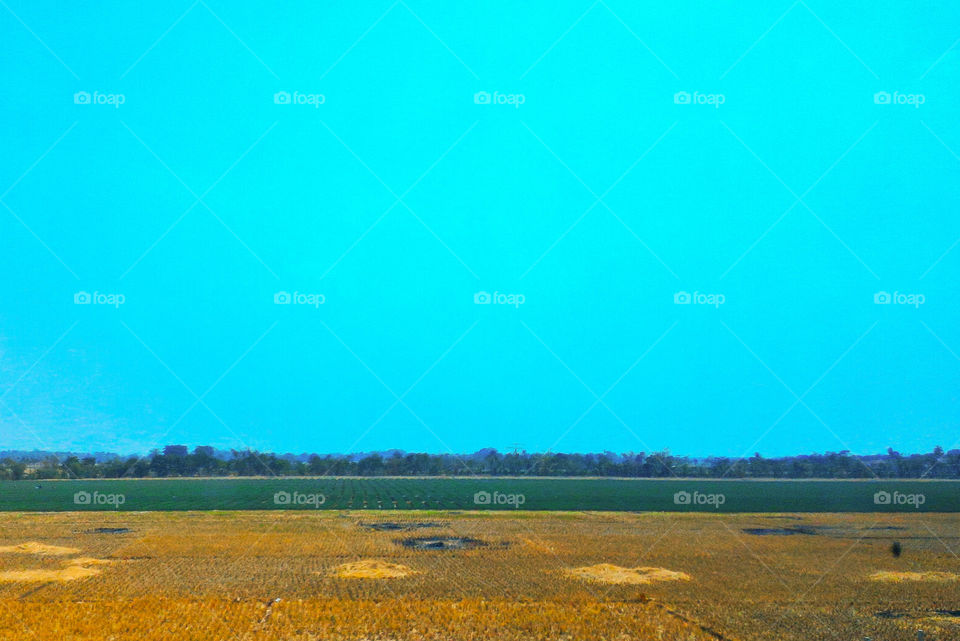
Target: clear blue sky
[(623, 152)]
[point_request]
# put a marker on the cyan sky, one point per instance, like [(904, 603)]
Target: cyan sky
[(402, 195)]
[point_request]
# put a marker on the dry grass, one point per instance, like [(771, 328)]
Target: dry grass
[(73, 569), (897, 577), (608, 573), (372, 569), (69, 573), (32, 547), (88, 560)]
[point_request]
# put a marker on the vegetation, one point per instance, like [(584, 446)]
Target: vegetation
[(179, 461), (413, 493)]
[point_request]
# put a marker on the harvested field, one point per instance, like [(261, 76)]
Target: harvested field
[(311, 575)]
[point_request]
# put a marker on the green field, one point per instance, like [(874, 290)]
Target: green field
[(494, 494)]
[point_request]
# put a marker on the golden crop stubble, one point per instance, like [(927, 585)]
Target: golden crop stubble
[(200, 575)]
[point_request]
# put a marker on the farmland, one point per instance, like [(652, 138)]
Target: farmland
[(405, 493), (471, 575)]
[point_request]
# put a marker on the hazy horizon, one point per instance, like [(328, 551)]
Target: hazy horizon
[(502, 452)]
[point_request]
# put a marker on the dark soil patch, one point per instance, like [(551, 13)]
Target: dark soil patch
[(441, 543), (887, 527), (893, 614), (779, 531), (111, 530), (889, 614), (391, 526), (34, 590)]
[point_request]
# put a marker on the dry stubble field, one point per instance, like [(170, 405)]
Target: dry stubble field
[(518, 575)]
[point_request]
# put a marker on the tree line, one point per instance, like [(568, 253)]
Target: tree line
[(180, 461)]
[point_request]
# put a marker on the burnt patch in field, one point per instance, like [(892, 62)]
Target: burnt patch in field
[(780, 531), (393, 526), (893, 614), (442, 543), (110, 530)]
